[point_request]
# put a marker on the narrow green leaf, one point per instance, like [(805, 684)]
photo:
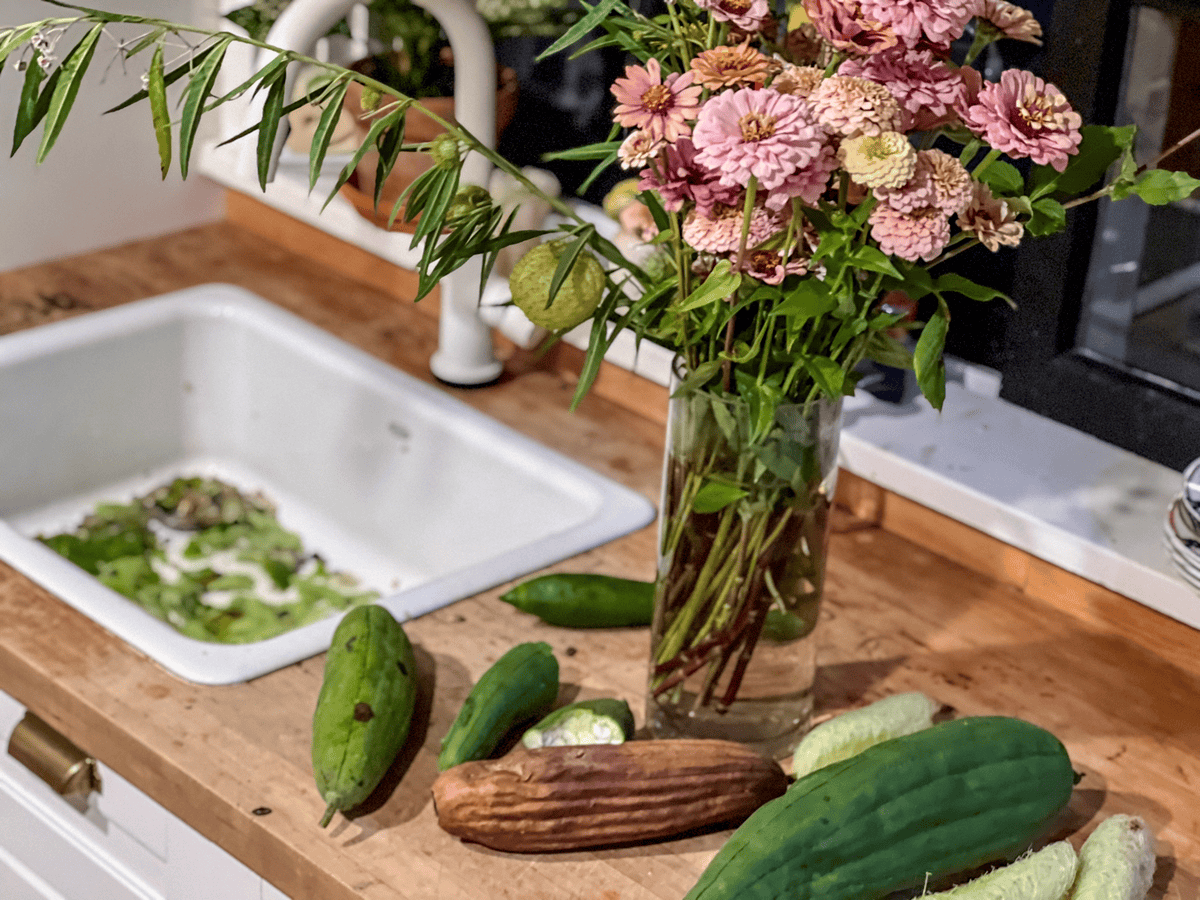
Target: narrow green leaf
[(600, 340), (594, 17), (33, 102), (566, 260), (389, 146), (169, 78), (954, 283), (156, 90), (326, 126), (198, 89), (368, 140), (699, 376), (268, 127), (591, 151), (873, 260), (928, 363), (73, 68), (150, 39), (14, 39)]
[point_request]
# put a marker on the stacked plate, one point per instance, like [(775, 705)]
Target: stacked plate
[(1182, 527)]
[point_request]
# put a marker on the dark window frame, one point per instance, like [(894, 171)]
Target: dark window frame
[(1043, 371)]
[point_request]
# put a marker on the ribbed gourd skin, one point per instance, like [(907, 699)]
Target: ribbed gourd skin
[(570, 798), (943, 800)]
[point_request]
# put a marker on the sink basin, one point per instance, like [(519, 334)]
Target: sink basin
[(422, 497)]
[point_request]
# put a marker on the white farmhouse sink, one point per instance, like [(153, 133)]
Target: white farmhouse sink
[(424, 498)]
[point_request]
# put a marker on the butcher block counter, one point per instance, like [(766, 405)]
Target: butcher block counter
[(1117, 683)]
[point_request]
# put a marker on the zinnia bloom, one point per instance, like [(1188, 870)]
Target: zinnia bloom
[(807, 183), (850, 106), (843, 24), (938, 180), (732, 66), (680, 178), (800, 81), (744, 15), (756, 133), (920, 234), (938, 21), (638, 148), (1022, 115), (991, 220), (1009, 20), (660, 107), (879, 160), (929, 92), (720, 232), (769, 266)]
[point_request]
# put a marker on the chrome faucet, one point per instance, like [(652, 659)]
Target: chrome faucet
[(465, 354)]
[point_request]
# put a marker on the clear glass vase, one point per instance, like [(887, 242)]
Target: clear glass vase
[(743, 536)]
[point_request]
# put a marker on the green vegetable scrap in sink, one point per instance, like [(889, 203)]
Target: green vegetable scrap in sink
[(209, 560)]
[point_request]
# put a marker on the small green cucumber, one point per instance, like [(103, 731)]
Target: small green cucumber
[(521, 685), (938, 802), (585, 600), (1046, 874), (602, 721), (852, 732), (364, 708), (1117, 861)]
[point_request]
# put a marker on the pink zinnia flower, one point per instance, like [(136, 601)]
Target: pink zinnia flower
[(920, 234), (1009, 20), (849, 106), (744, 15), (720, 231), (757, 133), (769, 266), (843, 24), (913, 21), (679, 179), (1022, 115), (938, 180), (929, 92), (807, 183), (662, 108)]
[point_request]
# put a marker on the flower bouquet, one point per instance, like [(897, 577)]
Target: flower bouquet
[(799, 179)]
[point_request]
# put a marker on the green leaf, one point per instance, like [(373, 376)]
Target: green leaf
[(591, 151), (887, 350), (1102, 145), (156, 90), (957, 284), (169, 78), (326, 126), (567, 260), (368, 140), (715, 494), (1002, 178), (1159, 187), (33, 102), (699, 376), (722, 282), (268, 126), (809, 299), (15, 38), (826, 374), (594, 17), (928, 363), (199, 87), (1049, 216), (873, 259)]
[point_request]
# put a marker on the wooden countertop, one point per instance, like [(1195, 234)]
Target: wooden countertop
[(1118, 683)]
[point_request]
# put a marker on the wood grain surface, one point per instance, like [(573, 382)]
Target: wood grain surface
[(1118, 683)]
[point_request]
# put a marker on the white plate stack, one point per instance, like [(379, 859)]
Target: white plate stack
[(1181, 529)]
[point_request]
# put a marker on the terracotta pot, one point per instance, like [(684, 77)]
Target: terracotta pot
[(418, 128)]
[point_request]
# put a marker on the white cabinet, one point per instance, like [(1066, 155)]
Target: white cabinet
[(118, 844)]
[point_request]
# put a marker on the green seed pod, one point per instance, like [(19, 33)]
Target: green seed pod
[(585, 600), (520, 686), (364, 708)]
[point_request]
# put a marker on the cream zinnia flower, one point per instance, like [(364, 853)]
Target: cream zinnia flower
[(732, 66), (1009, 20), (799, 81), (879, 160), (991, 220)]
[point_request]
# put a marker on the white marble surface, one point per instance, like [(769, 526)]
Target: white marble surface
[(1055, 492)]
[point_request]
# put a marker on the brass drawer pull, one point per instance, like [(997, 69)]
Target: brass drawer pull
[(54, 759)]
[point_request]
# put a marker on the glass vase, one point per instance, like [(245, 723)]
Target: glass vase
[(743, 536)]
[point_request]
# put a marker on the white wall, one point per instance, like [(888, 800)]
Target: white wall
[(100, 185)]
